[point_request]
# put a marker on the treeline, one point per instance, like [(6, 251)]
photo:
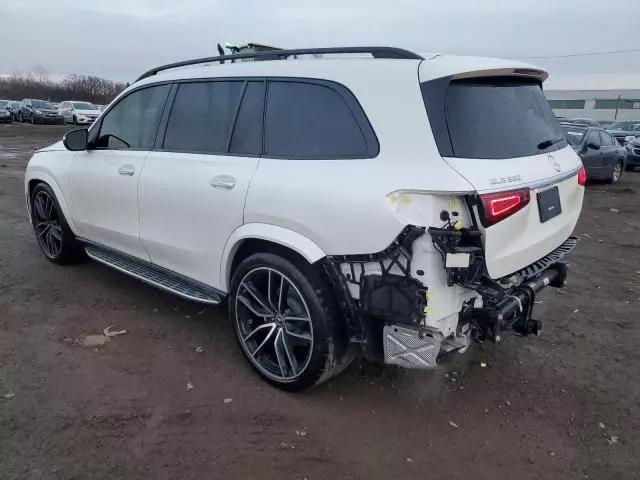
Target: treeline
[(74, 87)]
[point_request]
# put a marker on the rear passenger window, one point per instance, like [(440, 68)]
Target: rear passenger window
[(306, 120), (594, 137), (202, 116), (247, 133)]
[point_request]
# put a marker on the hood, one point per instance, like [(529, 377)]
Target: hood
[(54, 147), (86, 112), (46, 110)]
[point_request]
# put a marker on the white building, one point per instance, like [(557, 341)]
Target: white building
[(596, 104)]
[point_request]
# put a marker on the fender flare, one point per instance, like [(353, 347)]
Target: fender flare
[(44, 177), (272, 233)]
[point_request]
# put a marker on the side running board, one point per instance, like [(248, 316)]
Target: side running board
[(154, 275)]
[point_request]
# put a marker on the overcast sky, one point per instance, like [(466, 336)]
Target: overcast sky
[(119, 39)]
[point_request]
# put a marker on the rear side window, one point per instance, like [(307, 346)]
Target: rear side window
[(312, 121), (247, 133), (607, 139), (499, 119), (202, 116), (594, 137)]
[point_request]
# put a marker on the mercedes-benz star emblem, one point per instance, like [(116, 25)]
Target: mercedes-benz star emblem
[(554, 163)]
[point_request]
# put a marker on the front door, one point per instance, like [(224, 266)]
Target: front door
[(104, 179), (592, 158), (192, 190)]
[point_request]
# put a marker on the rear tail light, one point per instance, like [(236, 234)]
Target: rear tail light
[(582, 176), (498, 206)]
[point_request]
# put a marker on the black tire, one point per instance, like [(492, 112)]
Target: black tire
[(75, 120), (70, 250), (616, 172), (19, 118), (329, 353), (33, 119)]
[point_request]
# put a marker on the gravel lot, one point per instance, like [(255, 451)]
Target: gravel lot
[(563, 405)]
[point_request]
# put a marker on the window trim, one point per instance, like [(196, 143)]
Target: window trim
[(94, 130), (352, 103)]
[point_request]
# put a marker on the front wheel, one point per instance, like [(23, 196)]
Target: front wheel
[(616, 173), (75, 120), (54, 236), (33, 119), (286, 322)]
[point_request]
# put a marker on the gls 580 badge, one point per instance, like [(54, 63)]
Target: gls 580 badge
[(507, 179)]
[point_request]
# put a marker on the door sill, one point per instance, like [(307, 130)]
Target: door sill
[(154, 275)]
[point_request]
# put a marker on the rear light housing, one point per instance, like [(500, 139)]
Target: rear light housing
[(582, 176), (498, 206)]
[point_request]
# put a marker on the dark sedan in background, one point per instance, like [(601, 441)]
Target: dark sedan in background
[(633, 154), (5, 114), (623, 131), (602, 156), (39, 111)]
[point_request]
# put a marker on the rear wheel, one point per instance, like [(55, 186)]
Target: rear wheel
[(75, 120), (616, 173), (54, 236), (285, 322)]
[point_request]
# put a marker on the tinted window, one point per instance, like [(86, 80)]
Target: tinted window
[(574, 135), (247, 133), (41, 104), (305, 120), (593, 137), (202, 116), (133, 121), (499, 118), (607, 139)]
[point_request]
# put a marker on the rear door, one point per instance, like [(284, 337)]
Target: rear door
[(613, 153), (500, 134), (193, 188)]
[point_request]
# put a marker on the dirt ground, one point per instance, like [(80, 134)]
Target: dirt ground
[(563, 405)]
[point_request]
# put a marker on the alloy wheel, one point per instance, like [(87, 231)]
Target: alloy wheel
[(47, 224), (617, 171), (274, 324)]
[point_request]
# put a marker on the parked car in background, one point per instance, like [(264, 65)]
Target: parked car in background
[(584, 121), (329, 218), (99, 107), (14, 108), (38, 111), (633, 154), (624, 131), (79, 113), (602, 156), (5, 114)]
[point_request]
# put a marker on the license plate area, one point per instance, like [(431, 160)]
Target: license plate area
[(549, 204)]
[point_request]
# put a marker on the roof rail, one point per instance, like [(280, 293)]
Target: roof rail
[(376, 52)]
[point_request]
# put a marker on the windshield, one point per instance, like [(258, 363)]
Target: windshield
[(624, 126), (500, 118), (84, 106), (42, 104), (574, 135)]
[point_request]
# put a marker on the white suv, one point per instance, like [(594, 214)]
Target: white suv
[(393, 205)]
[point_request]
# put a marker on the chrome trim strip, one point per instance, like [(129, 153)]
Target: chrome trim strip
[(547, 182), (212, 301)]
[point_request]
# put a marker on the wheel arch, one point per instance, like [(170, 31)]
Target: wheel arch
[(264, 237), (34, 178)]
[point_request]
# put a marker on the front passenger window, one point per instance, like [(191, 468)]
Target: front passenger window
[(133, 122)]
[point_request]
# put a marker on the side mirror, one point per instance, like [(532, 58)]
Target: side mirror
[(76, 140), (593, 146)]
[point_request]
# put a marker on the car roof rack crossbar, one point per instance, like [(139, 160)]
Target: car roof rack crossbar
[(376, 52)]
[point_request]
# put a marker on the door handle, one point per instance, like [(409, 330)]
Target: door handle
[(223, 181), (127, 170)]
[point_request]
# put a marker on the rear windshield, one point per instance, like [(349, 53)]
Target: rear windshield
[(500, 118), (574, 135)]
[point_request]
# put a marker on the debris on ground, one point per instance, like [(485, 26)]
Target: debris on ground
[(576, 311), (92, 340), (189, 386), (614, 210), (227, 401), (199, 349), (301, 433), (612, 440), (552, 454), (453, 424), (108, 333), (601, 425), (483, 364), (8, 395), (409, 459)]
